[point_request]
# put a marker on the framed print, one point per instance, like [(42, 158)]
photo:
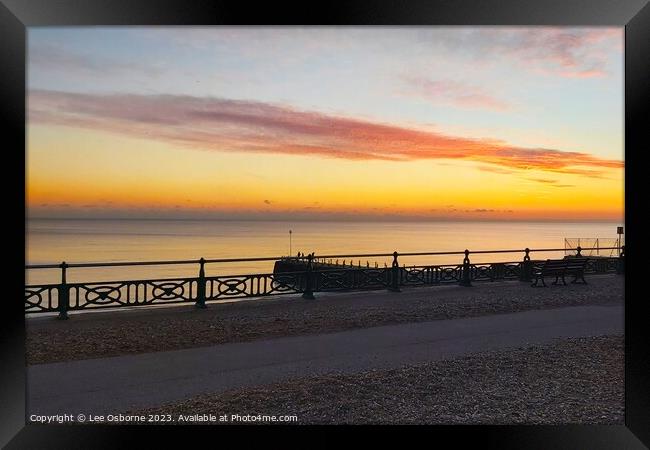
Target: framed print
[(358, 214)]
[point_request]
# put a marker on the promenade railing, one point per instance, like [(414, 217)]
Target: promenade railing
[(308, 274)]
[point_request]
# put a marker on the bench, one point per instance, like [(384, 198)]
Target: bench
[(576, 268), (561, 268)]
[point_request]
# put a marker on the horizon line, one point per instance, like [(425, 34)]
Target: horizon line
[(336, 219)]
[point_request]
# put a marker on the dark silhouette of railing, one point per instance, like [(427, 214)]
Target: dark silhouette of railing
[(314, 274)]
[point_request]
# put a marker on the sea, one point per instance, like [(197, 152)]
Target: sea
[(51, 241)]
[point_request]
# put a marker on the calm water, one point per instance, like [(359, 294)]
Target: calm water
[(73, 241)]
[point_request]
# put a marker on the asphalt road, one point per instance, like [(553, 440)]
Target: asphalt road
[(119, 384)]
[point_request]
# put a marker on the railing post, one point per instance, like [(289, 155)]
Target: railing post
[(578, 251), (465, 279), (64, 293), (201, 285), (526, 273), (394, 275), (621, 262), (309, 290)]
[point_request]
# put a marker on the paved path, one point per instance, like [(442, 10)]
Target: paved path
[(115, 385)]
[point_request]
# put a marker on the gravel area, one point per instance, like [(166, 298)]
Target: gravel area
[(103, 334), (569, 381)]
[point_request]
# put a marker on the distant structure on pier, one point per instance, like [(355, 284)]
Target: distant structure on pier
[(593, 246)]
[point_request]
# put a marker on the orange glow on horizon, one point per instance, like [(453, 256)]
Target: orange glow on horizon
[(125, 174)]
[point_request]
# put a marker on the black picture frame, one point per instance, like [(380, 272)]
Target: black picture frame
[(16, 15)]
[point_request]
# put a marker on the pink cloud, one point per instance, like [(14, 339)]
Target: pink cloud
[(246, 126), (454, 93), (583, 74), (567, 52)]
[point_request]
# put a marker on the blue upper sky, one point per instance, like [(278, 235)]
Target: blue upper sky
[(534, 87)]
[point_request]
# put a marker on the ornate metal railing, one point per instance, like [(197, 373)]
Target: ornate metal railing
[(315, 274)]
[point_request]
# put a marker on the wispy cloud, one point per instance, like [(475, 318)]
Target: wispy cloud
[(247, 126), (495, 169), (564, 51), (551, 182), (567, 52), (50, 58), (571, 53), (453, 93)]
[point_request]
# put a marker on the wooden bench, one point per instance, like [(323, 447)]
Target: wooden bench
[(560, 268), (576, 268)]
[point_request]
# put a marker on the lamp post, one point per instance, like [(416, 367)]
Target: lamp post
[(290, 249), (619, 231)]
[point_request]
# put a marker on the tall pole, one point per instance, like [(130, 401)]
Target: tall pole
[(290, 249), (619, 231)]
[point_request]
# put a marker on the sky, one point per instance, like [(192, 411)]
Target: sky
[(440, 123)]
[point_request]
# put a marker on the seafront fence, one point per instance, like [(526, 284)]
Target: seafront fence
[(310, 274)]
